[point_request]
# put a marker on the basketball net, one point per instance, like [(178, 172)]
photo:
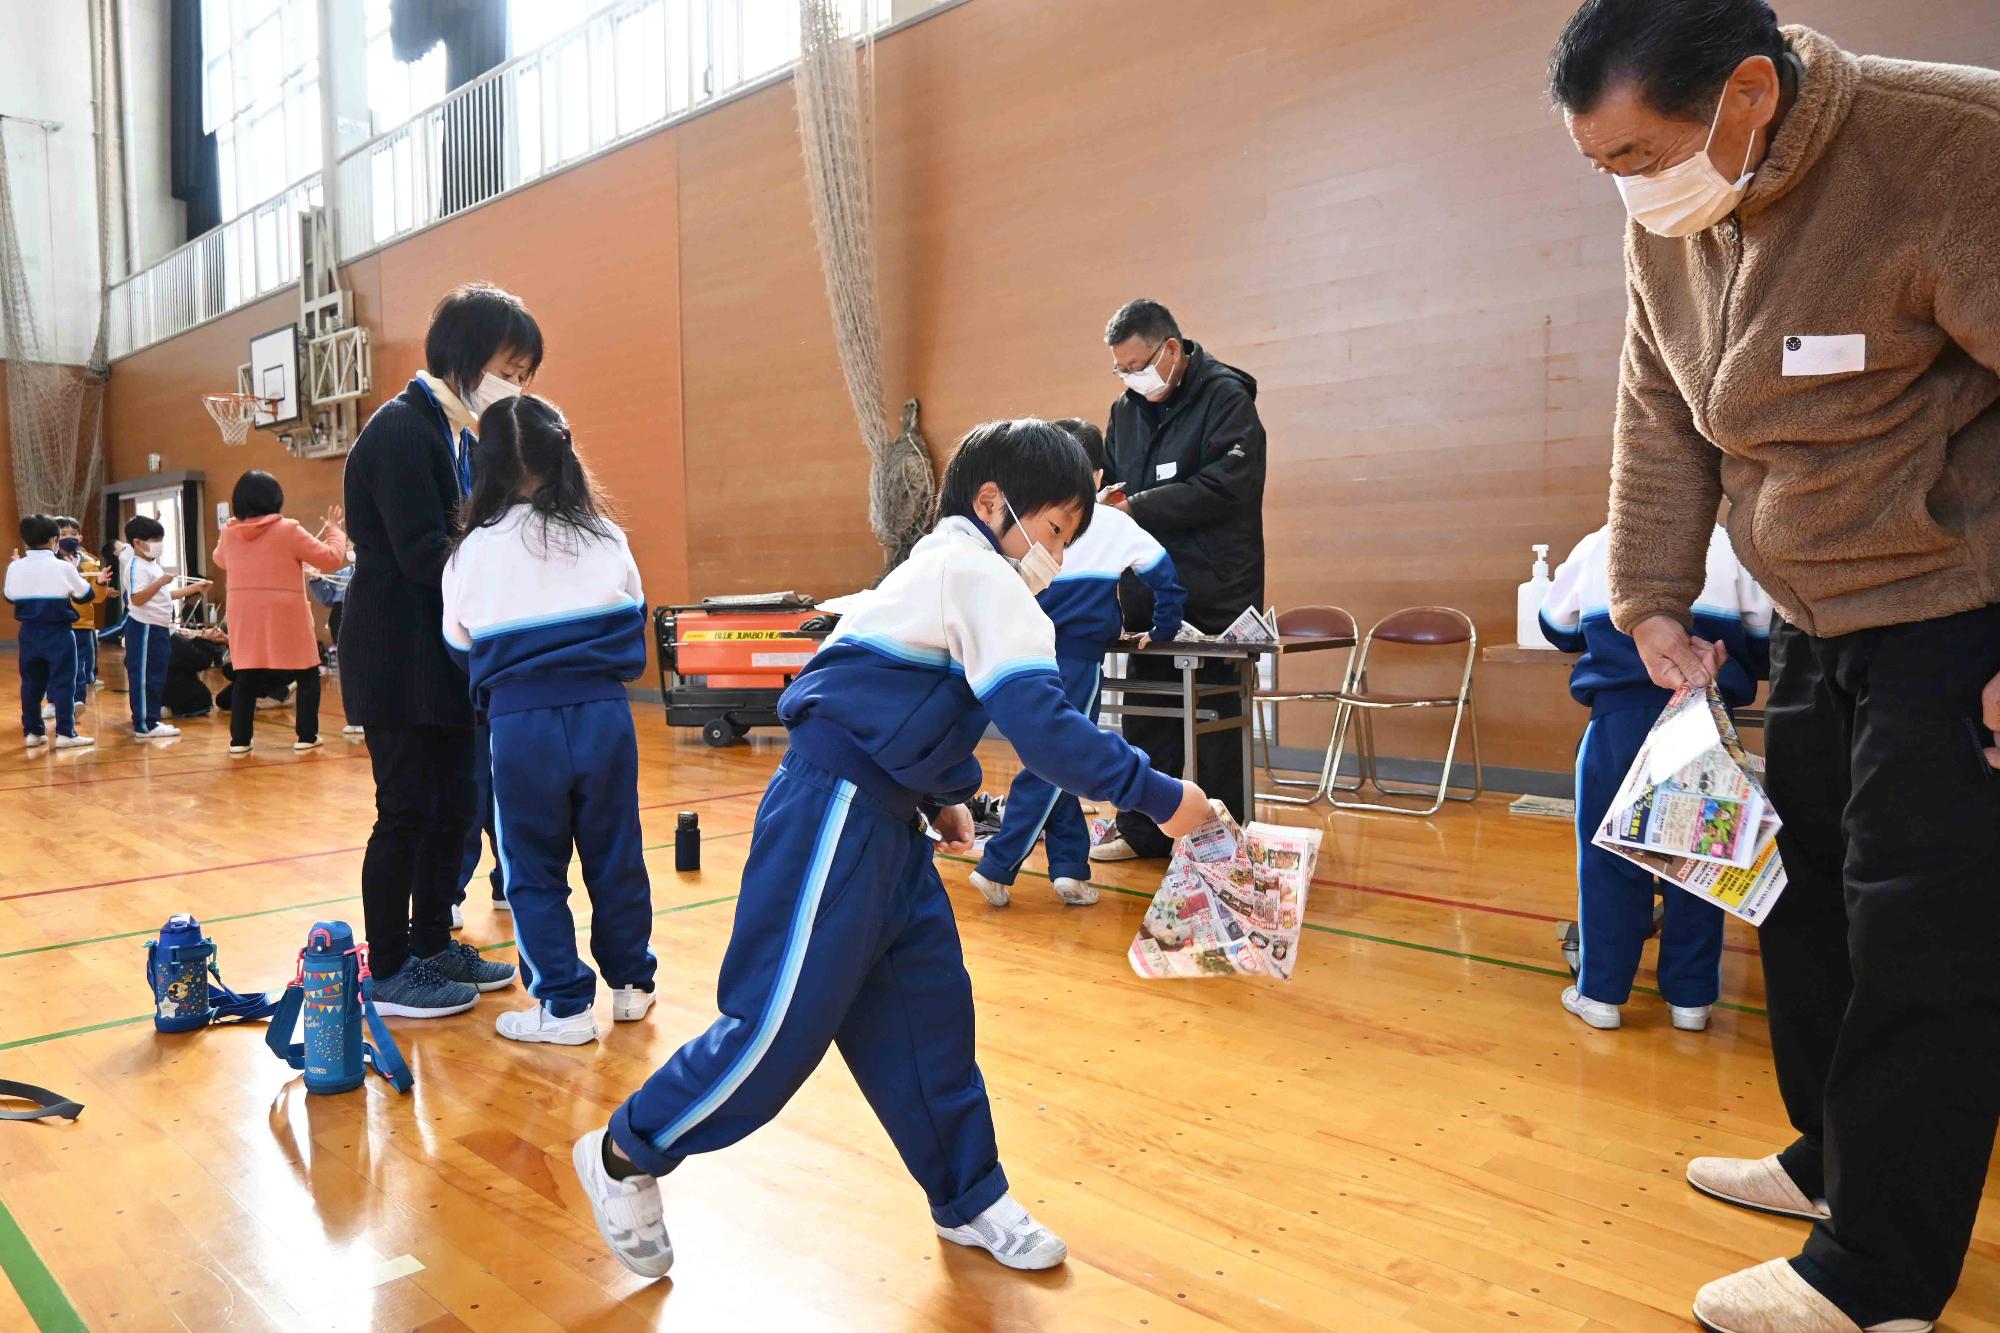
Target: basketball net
[(836, 132)]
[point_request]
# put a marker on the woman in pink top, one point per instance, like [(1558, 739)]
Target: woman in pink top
[(271, 639)]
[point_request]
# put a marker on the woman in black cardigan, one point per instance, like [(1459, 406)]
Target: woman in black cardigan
[(405, 478)]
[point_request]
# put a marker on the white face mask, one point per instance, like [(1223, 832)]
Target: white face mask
[(1146, 381), (1038, 568), (492, 389), (146, 550), (1689, 196)]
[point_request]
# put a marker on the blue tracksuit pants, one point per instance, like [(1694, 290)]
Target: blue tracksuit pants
[(843, 936), (1614, 906), (48, 670), (482, 781), (1036, 808), (86, 662), (147, 648), (569, 777)]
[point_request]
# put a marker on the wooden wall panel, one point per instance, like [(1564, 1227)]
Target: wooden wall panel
[(1368, 205)]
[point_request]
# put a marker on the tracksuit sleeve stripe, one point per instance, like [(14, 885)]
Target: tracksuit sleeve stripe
[(797, 938)]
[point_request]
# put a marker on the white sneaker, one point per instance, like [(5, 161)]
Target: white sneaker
[(1116, 850), (1692, 1018), (627, 1211), (351, 730), (74, 742), (1599, 1015), (34, 740), (538, 1024), (1009, 1233), (48, 710), (239, 750), (457, 917), (629, 1004), (997, 894), (161, 731), (1075, 892), (312, 744)]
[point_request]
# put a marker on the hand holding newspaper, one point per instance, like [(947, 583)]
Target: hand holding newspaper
[(1693, 810), (1232, 903)]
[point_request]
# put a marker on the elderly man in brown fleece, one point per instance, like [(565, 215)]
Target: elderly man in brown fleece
[(1813, 330)]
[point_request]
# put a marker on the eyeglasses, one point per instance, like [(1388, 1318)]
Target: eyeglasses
[(1121, 372)]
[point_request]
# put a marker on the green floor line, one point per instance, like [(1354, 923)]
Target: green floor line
[(265, 911), (33, 1282), (1440, 951)]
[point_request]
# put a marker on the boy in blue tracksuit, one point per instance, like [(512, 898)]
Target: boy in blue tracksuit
[(843, 934), (150, 594), (1082, 604), (45, 591), (1615, 897)]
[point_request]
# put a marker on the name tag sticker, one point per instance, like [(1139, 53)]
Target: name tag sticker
[(1839, 354), (1166, 471)]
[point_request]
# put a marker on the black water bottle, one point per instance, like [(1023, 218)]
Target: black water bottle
[(687, 842)]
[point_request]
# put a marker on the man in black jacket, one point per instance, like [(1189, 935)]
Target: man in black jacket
[(1186, 448)]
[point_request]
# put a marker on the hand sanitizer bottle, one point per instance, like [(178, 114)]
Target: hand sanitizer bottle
[(1528, 605)]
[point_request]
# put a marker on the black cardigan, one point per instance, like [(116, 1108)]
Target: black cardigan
[(401, 494)]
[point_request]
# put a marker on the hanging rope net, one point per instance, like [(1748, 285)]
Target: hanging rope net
[(55, 413), (836, 134)]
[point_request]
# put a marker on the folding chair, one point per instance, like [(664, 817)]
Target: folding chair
[(1310, 622), (1423, 627)]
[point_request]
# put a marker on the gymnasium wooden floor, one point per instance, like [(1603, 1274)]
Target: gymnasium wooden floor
[(1410, 1135)]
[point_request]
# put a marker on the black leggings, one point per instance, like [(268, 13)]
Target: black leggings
[(254, 683), (424, 804)]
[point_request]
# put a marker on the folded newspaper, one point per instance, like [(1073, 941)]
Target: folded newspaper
[(1253, 626), (1231, 905), (1693, 811)]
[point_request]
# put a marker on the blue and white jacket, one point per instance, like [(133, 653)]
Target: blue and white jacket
[(543, 618), (1083, 601), (1576, 616), (901, 692), (45, 589)]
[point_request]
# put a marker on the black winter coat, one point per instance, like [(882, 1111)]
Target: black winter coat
[(402, 496), (1193, 467)]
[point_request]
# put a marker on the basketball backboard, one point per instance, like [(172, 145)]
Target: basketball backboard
[(274, 374)]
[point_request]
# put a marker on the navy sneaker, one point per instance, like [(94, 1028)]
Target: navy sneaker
[(461, 962), (418, 989)]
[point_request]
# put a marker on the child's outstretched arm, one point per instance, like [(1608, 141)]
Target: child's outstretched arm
[(1562, 604), (1005, 644), (1156, 569)]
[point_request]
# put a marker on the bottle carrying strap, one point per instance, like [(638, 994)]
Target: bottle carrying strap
[(225, 1005), (46, 1103), (383, 1055), (279, 1036)]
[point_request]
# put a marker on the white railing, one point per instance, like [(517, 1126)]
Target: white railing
[(250, 256), (631, 67)]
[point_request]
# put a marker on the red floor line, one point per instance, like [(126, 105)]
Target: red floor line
[(298, 856), (1475, 907)]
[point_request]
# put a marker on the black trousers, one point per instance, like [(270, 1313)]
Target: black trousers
[(253, 683), (1882, 959), (1218, 755), (409, 876)]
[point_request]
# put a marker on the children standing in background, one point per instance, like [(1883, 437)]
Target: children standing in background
[(150, 595), (542, 605), (1082, 604), (44, 590), (1614, 897), (69, 545), (271, 638), (843, 931)]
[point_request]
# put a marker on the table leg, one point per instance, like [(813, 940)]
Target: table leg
[(1190, 705), (1248, 682)]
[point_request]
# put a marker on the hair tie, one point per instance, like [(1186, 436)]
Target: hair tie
[(569, 441)]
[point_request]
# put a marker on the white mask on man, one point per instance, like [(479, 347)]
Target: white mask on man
[(492, 389), (1038, 568), (1689, 196), (1146, 381)]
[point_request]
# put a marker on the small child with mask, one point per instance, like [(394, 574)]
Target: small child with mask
[(45, 590), (150, 595), (69, 545), (843, 933), (1082, 603)]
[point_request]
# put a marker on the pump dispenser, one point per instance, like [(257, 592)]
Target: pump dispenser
[(1528, 605)]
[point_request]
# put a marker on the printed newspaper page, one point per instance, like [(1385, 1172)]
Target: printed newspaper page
[(1692, 810), (1232, 903)]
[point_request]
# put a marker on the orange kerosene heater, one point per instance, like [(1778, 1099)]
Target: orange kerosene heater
[(725, 661)]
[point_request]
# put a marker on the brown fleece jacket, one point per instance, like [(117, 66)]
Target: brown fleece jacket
[(1859, 498)]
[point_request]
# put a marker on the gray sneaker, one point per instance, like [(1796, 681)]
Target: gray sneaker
[(420, 990), (461, 962)]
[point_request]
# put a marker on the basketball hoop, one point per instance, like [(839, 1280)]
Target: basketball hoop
[(235, 413)]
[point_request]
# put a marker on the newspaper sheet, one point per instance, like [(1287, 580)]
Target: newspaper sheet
[(1253, 626), (1232, 903), (1693, 811)]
